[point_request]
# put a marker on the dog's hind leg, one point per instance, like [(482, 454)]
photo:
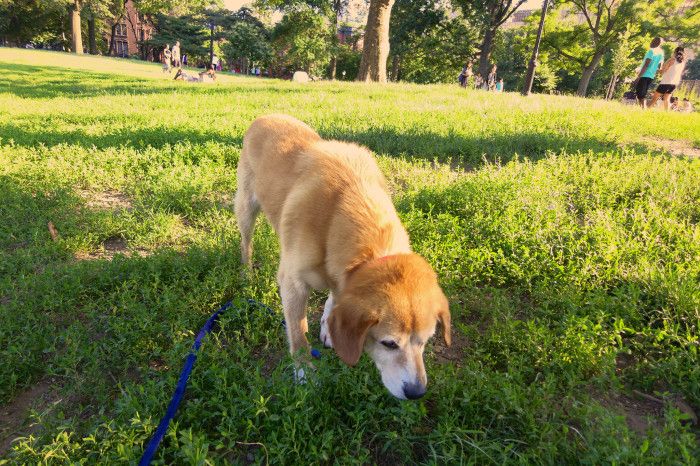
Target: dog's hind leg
[(247, 209)]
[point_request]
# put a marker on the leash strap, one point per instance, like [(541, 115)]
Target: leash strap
[(180, 389), (153, 444)]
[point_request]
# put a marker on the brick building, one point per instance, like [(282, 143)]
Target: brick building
[(127, 32)]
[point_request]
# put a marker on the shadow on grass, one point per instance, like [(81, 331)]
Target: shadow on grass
[(465, 151), (156, 137), (46, 82), (52, 305), (469, 151), (29, 81)]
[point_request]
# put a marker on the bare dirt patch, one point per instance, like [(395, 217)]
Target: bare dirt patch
[(107, 200), (643, 411), (110, 248), (454, 353), (13, 416), (676, 147), (639, 413), (16, 246)]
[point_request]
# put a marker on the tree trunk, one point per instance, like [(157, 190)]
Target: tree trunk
[(111, 38), (611, 87), (485, 55), (530, 77), (333, 67), (395, 64), (92, 40), (376, 47), (77, 38), (588, 73), (211, 44), (337, 5)]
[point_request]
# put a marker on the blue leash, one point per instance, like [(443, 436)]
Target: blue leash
[(184, 377)]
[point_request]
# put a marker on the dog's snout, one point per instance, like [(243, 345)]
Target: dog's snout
[(413, 391)]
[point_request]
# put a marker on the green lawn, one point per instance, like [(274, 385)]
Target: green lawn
[(565, 233)]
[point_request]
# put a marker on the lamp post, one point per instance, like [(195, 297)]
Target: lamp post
[(530, 77)]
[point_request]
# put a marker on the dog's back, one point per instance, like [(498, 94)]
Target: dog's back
[(319, 195)]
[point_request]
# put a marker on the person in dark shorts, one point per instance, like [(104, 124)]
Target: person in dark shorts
[(650, 65), (671, 74)]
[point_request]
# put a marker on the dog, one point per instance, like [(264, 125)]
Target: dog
[(330, 206)]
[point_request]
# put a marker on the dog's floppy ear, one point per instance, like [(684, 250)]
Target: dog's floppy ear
[(444, 316), (348, 329)]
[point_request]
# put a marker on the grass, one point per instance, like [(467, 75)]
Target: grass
[(563, 231)]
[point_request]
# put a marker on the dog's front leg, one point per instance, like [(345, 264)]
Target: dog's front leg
[(325, 334), (295, 294)]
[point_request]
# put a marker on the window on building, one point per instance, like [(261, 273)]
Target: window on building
[(122, 48), (120, 30)]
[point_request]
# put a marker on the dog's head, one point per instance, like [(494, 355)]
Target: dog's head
[(389, 308)]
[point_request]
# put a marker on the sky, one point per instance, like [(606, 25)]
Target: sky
[(234, 5)]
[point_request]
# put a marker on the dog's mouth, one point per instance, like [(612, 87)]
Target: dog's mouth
[(400, 383)]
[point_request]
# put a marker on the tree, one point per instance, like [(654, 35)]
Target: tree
[(331, 9), (76, 27), (622, 62), (488, 16), (375, 50), (530, 76), (593, 28), (438, 54), (217, 21), (247, 42), (301, 40), (189, 30), (410, 19), (511, 51), (24, 21)]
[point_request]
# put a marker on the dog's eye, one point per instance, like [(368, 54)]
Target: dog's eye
[(390, 344)]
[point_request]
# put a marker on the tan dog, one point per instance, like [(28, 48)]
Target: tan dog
[(338, 230)]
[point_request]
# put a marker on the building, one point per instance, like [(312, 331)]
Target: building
[(128, 32)]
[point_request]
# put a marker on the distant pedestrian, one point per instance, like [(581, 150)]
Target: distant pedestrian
[(650, 65), (166, 57), (671, 73), (499, 85), (184, 59), (469, 73), (492, 79), (462, 78), (176, 55)]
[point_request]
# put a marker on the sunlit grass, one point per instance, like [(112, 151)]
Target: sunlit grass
[(568, 245)]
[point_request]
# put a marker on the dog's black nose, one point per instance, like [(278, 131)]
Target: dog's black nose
[(413, 391)]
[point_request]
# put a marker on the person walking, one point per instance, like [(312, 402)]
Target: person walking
[(491, 83), (176, 55), (650, 65), (462, 77), (166, 57), (671, 73)]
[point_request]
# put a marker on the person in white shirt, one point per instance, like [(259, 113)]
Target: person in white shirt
[(176, 55), (671, 73)]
